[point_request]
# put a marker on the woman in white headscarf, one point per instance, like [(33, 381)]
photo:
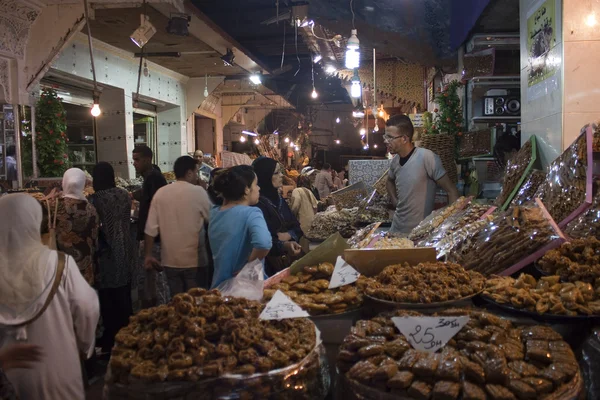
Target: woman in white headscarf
[(30, 279), (76, 223)]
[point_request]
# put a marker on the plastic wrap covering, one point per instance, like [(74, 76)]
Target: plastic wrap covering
[(529, 188), (488, 358), (590, 364), (362, 236), (309, 379), (471, 213), (461, 237), (509, 239), (516, 167), (577, 260), (588, 223), (332, 220), (564, 189), (435, 219), (373, 209), (203, 345)]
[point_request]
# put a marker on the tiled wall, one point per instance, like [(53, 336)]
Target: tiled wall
[(541, 112), (581, 36)]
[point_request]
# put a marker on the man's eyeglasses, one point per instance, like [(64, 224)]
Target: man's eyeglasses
[(389, 138)]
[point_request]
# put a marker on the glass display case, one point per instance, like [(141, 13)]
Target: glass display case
[(81, 134)]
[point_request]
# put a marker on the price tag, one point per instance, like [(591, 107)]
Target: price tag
[(429, 333), (343, 274), (282, 307)]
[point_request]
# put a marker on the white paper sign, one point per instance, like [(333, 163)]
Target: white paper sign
[(343, 274), (282, 307), (429, 333)]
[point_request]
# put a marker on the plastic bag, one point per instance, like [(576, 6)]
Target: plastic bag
[(248, 283), (357, 240), (471, 213), (509, 239), (460, 238), (528, 188), (588, 223), (308, 379), (564, 189), (515, 168), (435, 219), (590, 364)]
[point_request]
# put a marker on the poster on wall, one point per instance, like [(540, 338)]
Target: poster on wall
[(541, 40)]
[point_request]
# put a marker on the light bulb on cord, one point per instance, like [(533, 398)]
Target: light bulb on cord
[(376, 129), (296, 148), (287, 140), (242, 139), (205, 85), (314, 94), (337, 120), (355, 89), (352, 54), (381, 113), (96, 109), (337, 141), (256, 141), (362, 131)]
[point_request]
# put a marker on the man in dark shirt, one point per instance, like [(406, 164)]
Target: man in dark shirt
[(154, 289)]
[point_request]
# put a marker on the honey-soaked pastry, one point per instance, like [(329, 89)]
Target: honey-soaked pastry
[(480, 365)]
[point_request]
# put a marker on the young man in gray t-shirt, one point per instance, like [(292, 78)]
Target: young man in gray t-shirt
[(413, 177)]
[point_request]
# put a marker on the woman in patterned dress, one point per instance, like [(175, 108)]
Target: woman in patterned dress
[(115, 255)]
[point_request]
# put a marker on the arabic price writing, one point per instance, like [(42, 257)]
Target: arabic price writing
[(282, 307), (429, 333), (343, 274)]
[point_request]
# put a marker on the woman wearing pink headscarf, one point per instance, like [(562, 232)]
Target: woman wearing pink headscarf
[(44, 301)]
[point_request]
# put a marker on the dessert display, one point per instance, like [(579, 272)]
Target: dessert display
[(388, 241), (461, 238), (489, 358), (332, 220), (546, 296), (588, 223), (578, 260), (564, 188), (508, 239), (471, 213), (201, 336), (435, 219), (363, 236), (528, 188), (309, 289), (515, 168), (425, 283)]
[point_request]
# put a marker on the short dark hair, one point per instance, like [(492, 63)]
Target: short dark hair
[(304, 181), (403, 123), (103, 176), (143, 150), (231, 183), (326, 166), (11, 150), (182, 165)]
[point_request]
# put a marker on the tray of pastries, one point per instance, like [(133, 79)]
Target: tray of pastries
[(577, 260), (489, 358), (201, 337), (545, 299), (425, 285), (309, 289)]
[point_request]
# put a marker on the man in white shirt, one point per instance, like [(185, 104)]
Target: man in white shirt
[(177, 213), (324, 181)]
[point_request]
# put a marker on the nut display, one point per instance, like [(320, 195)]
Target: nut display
[(349, 198), (529, 188), (546, 296), (435, 219), (509, 238), (471, 213), (375, 210), (424, 283), (489, 358), (564, 188), (309, 289), (201, 335), (330, 221), (515, 168), (578, 260)]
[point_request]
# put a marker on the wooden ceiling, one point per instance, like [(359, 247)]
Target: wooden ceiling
[(114, 26)]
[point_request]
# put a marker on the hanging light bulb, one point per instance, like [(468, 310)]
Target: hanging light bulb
[(337, 120), (317, 58), (381, 113), (355, 89), (96, 107), (376, 129), (337, 141), (292, 144), (366, 147), (358, 112), (287, 140), (206, 85), (375, 146), (330, 69), (352, 54), (299, 125), (314, 94), (296, 148), (242, 139), (362, 131), (256, 141)]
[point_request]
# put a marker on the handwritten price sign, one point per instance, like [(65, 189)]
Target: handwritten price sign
[(343, 274), (282, 307), (429, 333)]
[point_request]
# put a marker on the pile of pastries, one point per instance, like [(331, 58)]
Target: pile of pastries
[(201, 335), (578, 260), (489, 358), (309, 289), (515, 168), (424, 283), (460, 238), (546, 296), (435, 219)]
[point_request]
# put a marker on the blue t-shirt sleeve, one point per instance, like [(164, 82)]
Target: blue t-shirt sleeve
[(260, 237)]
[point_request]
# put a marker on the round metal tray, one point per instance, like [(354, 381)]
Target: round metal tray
[(384, 305), (549, 318)]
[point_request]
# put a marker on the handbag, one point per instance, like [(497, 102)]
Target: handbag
[(49, 239)]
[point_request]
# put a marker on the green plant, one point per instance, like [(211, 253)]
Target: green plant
[(449, 119), (51, 137)]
